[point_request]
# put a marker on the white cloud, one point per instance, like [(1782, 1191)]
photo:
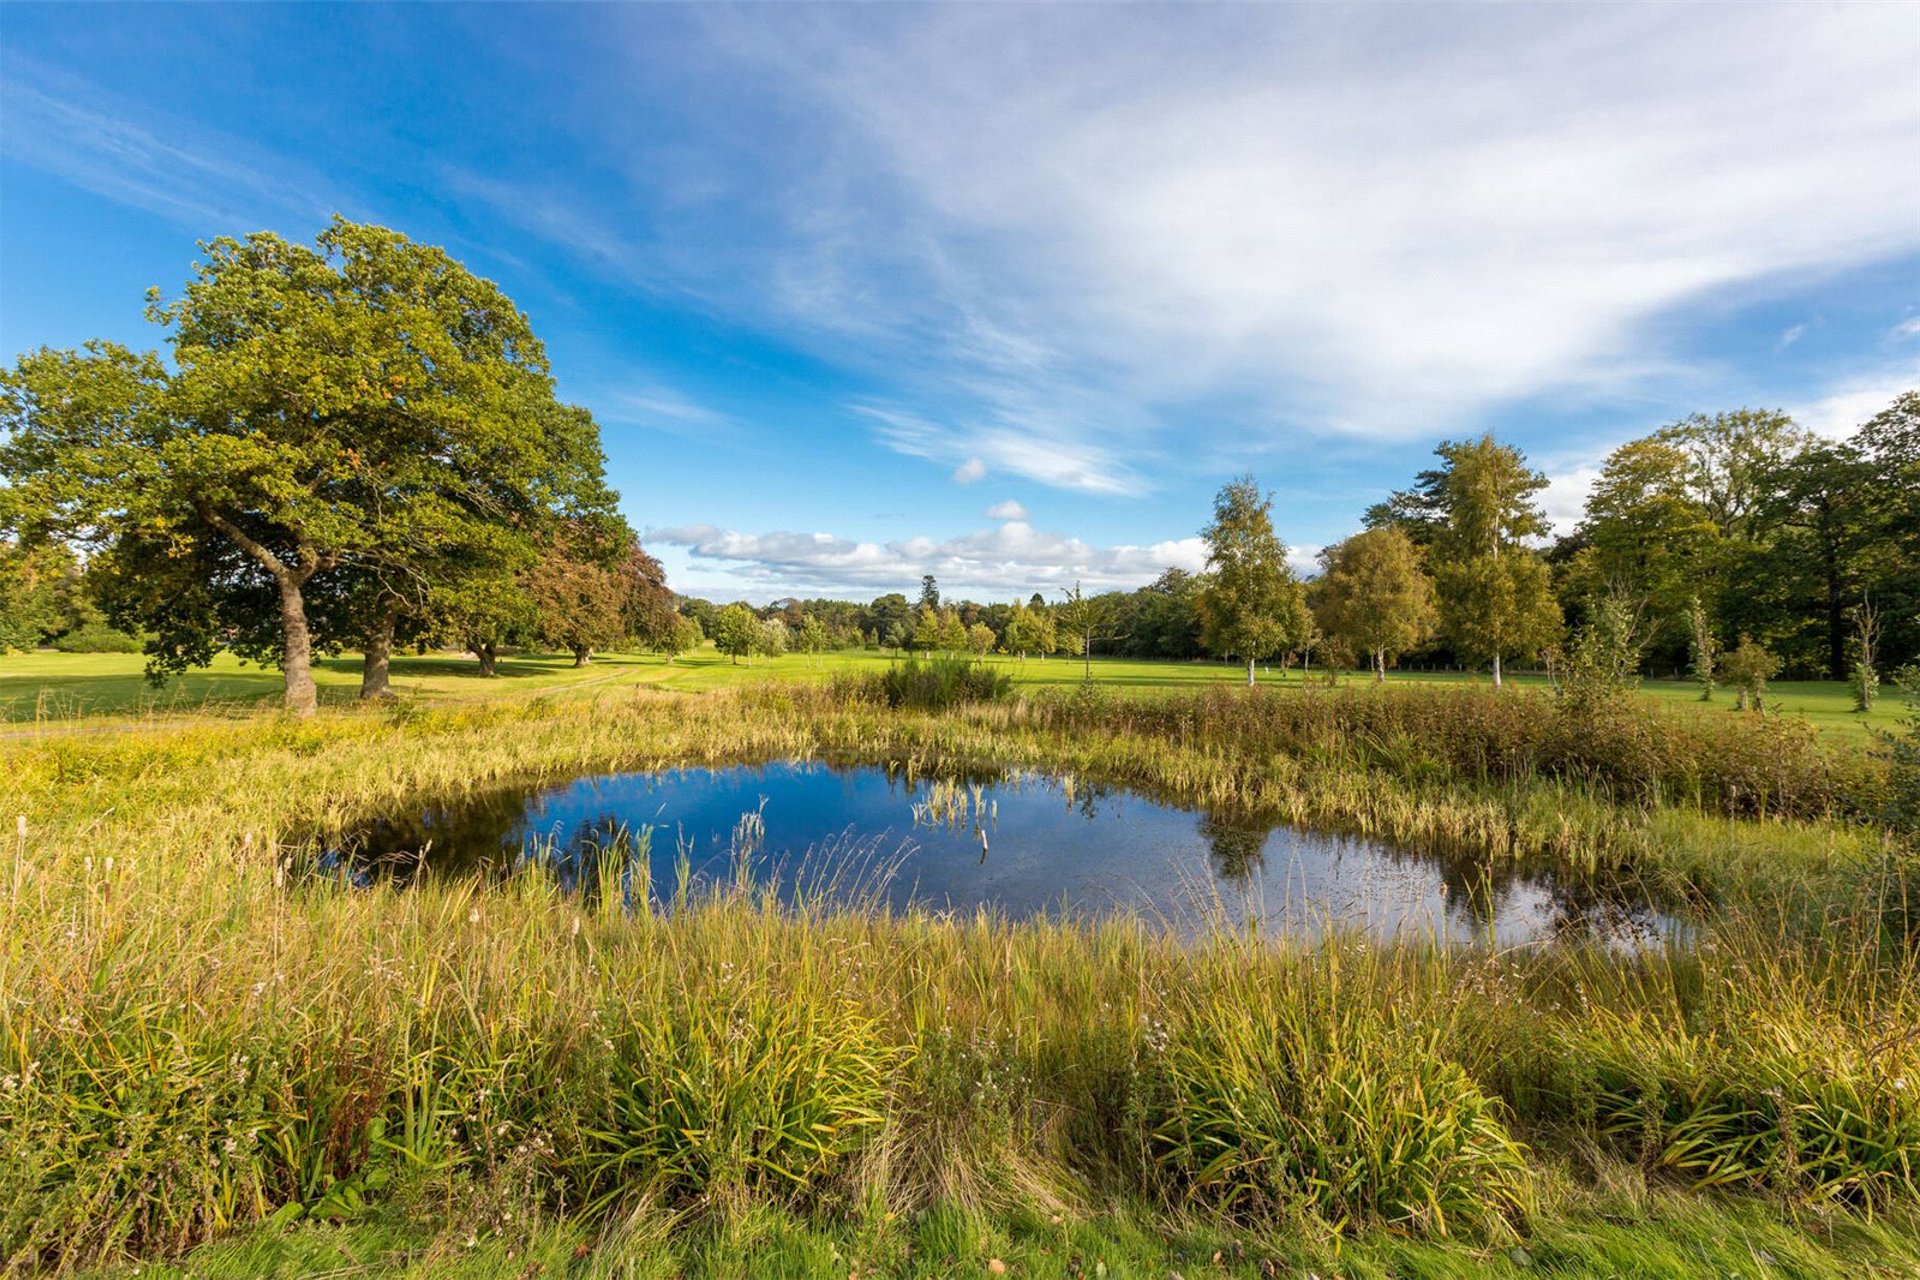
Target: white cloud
[(1791, 336), (1009, 559), (201, 180), (1032, 452), (1565, 498), (1908, 328), (1381, 221), (1845, 408), (1008, 510)]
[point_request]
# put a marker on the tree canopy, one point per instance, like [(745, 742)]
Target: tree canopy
[(363, 420), (1252, 606)]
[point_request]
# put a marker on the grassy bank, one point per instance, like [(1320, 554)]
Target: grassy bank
[(63, 687), (196, 1041)]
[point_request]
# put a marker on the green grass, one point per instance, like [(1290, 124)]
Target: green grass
[(47, 686), (474, 1079), (1645, 1235)]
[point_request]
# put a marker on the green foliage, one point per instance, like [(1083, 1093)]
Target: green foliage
[(942, 682), (309, 390), (813, 637), (1749, 666), (1647, 533), (736, 632), (1029, 630), (1496, 599), (1251, 607), (1078, 620), (97, 638), (1495, 607), (1603, 664), (1374, 594), (682, 635)]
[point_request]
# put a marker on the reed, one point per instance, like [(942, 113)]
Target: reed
[(195, 1038)]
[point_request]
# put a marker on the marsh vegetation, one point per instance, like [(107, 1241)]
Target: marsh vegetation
[(198, 1039)]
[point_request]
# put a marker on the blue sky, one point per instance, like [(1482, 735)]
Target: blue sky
[(1005, 293)]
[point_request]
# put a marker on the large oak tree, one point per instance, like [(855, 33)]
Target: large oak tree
[(361, 420)]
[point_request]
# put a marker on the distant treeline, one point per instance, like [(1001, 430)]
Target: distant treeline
[(1713, 529)]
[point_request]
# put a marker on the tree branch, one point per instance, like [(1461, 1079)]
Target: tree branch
[(257, 550)]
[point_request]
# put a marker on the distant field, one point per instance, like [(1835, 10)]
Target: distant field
[(62, 686)]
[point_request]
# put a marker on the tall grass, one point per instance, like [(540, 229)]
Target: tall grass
[(192, 1040)]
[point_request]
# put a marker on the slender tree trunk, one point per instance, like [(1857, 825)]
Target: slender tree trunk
[(1249, 673), (1836, 618), (377, 657), (1496, 671), (296, 652), (1379, 666)]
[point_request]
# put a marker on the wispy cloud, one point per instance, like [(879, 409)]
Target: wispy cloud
[(1791, 336), (1008, 510), (1055, 458), (1381, 222), (655, 406), (1010, 559), (200, 180)]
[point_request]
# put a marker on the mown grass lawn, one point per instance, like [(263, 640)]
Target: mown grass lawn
[(47, 686)]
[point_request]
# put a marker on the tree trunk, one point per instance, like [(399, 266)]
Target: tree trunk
[(376, 659), (296, 638), (1836, 618), (1249, 673), (1496, 671), (1379, 666), (582, 655), (296, 650), (489, 658)]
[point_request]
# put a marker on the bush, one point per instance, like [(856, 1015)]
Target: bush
[(942, 682), (97, 638)]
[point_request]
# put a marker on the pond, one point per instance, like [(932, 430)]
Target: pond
[(1021, 843)]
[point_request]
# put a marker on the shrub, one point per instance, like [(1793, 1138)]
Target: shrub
[(942, 682), (1749, 667), (97, 638)]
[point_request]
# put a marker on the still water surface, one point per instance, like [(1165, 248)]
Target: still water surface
[(1022, 844)]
